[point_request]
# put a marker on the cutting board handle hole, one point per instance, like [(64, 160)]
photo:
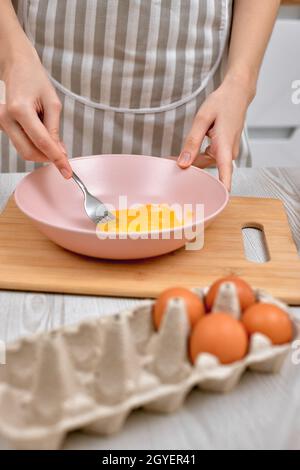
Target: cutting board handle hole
[(255, 243)]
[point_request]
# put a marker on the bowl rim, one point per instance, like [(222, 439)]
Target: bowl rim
[(117, 235)]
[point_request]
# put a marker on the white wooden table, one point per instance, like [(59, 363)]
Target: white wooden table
[(263, 412)]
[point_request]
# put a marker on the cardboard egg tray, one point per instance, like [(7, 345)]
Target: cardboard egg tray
[(91, 375)]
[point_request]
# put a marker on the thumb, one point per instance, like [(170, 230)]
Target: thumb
[(224, 159)]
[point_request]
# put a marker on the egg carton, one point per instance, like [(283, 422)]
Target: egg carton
[(91, 375)]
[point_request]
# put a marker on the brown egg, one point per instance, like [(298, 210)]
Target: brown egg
[(194, 305), (221, 335), (269, 320), (245, 292)]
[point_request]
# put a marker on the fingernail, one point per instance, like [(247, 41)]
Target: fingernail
[(184, 158), (66, 174)]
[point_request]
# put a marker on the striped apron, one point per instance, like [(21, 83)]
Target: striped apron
[(131, 74)]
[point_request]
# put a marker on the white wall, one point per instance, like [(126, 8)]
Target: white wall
[(273, 118)]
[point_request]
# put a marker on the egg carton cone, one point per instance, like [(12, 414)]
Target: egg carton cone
[(93, 374)]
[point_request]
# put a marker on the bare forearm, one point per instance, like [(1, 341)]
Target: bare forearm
[(222, 115), (253, 22), (31, 114), (14, 44)]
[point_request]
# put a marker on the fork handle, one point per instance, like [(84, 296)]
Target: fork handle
[(79, 183)]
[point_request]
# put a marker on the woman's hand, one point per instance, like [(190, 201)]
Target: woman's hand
[(31, 113), (221, 118)]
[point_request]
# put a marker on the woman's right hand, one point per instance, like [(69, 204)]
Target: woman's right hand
[(31, 114)]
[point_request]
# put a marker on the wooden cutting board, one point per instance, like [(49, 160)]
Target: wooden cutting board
[(30, 262)]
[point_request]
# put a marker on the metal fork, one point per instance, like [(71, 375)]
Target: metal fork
[(95, 209)]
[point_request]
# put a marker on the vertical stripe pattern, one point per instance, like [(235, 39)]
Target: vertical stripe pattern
[(131, 74)]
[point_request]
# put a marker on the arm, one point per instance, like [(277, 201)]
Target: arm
[(222, 115), (31, 114), (251, 30)]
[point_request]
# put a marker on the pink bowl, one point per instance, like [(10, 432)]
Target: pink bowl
[(55, 205)]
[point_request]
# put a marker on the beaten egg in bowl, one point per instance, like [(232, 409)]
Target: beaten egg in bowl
[(145, 218)]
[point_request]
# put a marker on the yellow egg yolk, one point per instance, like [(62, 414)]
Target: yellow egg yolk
[(144, 218)]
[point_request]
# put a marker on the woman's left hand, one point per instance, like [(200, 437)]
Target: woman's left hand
[(221, 118)]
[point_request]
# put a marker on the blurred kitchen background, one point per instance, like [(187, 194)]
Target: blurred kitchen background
[(273, 118)]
